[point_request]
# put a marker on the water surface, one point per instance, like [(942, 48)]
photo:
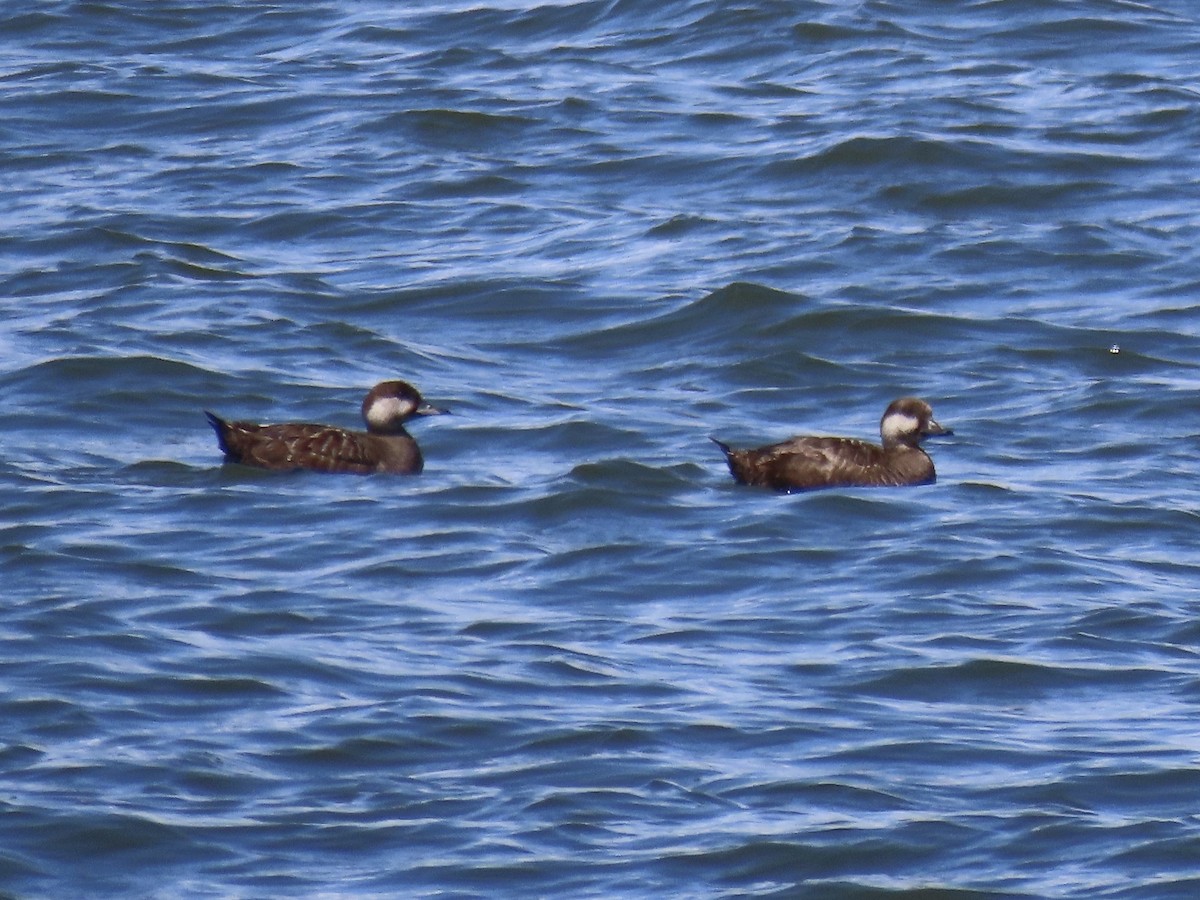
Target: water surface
[(573, 658)]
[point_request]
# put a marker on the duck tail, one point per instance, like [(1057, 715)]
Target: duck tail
[(725, 448), (221, 427)]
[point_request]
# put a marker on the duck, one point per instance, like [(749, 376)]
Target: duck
[(806, 463), (385, 447)]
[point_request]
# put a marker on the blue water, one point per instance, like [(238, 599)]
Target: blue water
[(573, 658)]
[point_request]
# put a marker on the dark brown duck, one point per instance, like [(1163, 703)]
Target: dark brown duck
[(384, 447), (809, 463)]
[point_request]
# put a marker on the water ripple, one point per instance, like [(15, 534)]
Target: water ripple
[(573, 657)]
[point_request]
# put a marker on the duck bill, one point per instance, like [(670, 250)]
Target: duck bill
[(426, 409), (936, 430)]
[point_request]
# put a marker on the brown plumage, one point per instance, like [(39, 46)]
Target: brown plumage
[(809, 463), (384, 447)]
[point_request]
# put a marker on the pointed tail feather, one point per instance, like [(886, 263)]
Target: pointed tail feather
[(728, 451), (734, 459), (725, 448), (221, 428)]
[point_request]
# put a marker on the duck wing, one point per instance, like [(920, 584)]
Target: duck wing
[(808, 463), (318, 448), (804, 463)]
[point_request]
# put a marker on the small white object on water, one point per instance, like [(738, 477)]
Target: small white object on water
[(1115, 348)]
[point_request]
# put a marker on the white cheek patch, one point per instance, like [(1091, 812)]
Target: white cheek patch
[(387, 410), (898, 425)]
